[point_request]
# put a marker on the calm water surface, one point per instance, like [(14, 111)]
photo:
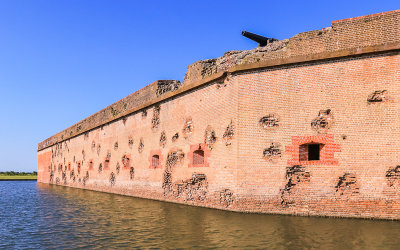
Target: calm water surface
[(40, 216)]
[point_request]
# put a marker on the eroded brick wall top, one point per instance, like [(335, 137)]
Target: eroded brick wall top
[(350, 33), (134, 101)]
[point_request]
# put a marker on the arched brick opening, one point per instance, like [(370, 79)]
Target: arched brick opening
[(198, 157), (155, 161)]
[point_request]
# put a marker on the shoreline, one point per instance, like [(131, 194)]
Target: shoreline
[(18, 179)]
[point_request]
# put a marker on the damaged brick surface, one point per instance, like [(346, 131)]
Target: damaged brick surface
[(117, 168), (100, 169), (107, 160), (141, 145), (191, 189), (126, 161), (228, 134), (175, 137), (164, 86), (323, 122), (269, 121), (226, 197), (393, 177), (130, 142), (155, 121), (273, 152), (347, 185), (187, 128), (163, 139), (112, 179), (209, 137), (295, 176), (131, 173), (205, 68), (378, 96), (174, 157)]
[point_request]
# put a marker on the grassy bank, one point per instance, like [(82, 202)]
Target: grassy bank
[(11, 175), (18, 177)]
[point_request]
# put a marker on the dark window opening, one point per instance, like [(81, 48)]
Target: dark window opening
[(155, 161), (313, 152), (198, 157), (310, 152)]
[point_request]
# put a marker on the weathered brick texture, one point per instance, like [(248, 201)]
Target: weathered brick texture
[(306, 126)]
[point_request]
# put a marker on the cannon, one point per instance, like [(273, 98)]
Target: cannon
[(261, 40)]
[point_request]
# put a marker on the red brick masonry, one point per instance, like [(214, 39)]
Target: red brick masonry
[(308, 125)]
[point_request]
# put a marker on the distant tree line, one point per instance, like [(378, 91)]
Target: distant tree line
[(12, 173)]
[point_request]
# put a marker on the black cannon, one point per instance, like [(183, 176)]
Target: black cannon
[(261, 40)]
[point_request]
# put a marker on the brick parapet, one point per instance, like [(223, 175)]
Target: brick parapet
[(343, 34)]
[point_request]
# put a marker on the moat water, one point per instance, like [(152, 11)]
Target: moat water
[(40, 216)]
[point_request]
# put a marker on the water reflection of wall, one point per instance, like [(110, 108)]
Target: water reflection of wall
[(108, 220)]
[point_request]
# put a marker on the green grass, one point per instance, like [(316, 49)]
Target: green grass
[(18, 177)]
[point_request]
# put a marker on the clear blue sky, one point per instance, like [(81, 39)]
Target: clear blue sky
[(63, 60)]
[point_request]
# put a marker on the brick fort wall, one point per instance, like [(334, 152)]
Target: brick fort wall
[(307, 125)]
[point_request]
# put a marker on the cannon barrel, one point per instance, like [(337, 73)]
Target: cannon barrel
[(261, 40)]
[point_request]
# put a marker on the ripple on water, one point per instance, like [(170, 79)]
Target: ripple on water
[(46, 216)]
